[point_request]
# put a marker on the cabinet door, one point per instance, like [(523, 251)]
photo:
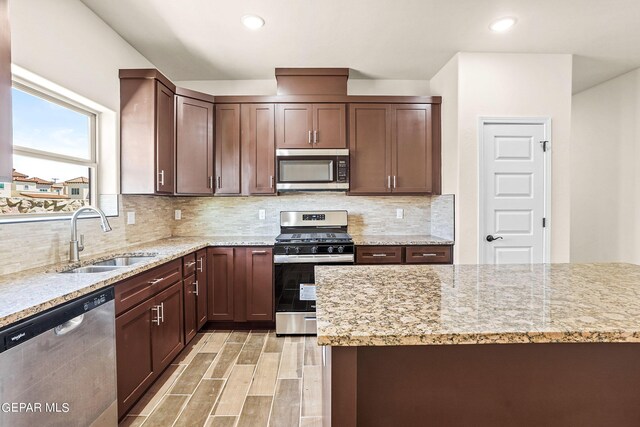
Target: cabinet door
[(194, 146), (294, 125), (190, 302), (201, 296), (6, 138), (220, 285), (164, 139), (134, 355), (259, 283), (227, 149), (258, 148), (412, 159), (329, 126), (370, 148), (168, 336)]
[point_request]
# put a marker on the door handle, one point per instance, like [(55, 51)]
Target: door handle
[(388, 181), (69, 325), (491, 238), (195, 288), (315, 136), (156, 308), (394, 181), (200, 264), (310, 138), (219, 179), (161, 178)]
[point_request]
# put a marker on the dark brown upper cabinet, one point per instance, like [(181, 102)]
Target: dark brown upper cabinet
[(227, 176), (394, 149), (146, 132), (258, 148), (311, 126), (194, 146), (6, 138)]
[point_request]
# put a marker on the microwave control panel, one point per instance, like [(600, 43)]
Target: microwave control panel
[(343, 170)]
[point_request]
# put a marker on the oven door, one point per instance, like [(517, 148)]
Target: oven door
[(295, 299)]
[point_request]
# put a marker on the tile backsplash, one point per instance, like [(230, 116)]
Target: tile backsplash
[(35, 244), (367, 215)]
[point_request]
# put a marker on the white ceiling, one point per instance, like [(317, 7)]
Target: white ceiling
[(385, 39)]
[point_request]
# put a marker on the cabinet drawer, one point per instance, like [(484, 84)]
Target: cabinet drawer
[(379, 255), (189, 264), (133, 291), (428, 255)]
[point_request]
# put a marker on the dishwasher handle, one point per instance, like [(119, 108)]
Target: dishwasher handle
[(69, 325)]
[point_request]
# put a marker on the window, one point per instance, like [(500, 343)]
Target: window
[(54, 151)]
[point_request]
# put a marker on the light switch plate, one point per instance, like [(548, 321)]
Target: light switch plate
[(178, 214), (399, 213), (262, 214), (131, 218)]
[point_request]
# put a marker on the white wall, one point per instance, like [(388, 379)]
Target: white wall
[(605, 172), (269, 87), (504, 85)]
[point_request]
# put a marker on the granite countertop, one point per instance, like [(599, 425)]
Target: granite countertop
[(477, 304), (32, 291), (386, 240)]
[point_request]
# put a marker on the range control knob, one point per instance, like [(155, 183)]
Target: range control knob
[(286, 250), (340, 249), (297, 249), (330, 249), (314, 249)]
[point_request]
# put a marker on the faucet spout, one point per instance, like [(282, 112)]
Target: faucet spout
[(74, 246)]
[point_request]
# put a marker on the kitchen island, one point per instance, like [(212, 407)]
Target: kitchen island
[(554, 344)]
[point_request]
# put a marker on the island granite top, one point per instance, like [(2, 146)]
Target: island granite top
[(477, 304)]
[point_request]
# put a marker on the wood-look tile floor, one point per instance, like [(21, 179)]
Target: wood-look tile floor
[(239, 378)]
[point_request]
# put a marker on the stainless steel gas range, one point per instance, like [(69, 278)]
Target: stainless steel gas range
[(307, 239)]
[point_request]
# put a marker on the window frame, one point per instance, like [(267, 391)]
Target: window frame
[(91, 163)]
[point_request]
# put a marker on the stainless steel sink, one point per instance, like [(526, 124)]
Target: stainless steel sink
[(111, 264), (94, 269), (123, 261)]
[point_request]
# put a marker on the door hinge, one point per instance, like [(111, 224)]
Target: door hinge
[(545, 145), (544, 222)]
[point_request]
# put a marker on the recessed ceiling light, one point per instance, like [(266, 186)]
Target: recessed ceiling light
[(503, 24), (252, 22)]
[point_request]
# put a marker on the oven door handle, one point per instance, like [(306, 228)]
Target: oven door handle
[(312, 259)]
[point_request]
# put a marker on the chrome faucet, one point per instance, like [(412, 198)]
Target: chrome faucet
[(76, 247)]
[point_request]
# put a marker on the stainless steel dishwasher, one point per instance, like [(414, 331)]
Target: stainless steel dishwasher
[(57, 368)]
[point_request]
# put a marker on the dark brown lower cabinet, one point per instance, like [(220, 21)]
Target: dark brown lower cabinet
[(240, 286), (432, 254), (148, 337), (201, 288), (190, 303)]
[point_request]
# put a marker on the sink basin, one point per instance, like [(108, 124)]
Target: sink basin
[(94, 269), (123, 261)]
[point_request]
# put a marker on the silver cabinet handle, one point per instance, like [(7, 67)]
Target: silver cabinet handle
[(394, 181), (189, 264), (162, 312), (161, 178), (379, 255), (315, 137), (153, 282), (426, 255), (156, 308), (210, 182), (219, 180), (389, 181), (310, 137), (259, 252), (195, 289), (271, 181), (200, 264)]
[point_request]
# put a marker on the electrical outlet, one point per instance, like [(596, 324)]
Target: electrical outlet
[(131, 218), (178, 214), (262, 214), (399, 213)]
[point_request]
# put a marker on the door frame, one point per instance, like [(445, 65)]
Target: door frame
[(546, 122)]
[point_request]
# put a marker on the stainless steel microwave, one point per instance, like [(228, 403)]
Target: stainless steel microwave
[(312, 169)]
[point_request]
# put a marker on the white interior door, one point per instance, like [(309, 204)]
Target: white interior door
[(513, 193)]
